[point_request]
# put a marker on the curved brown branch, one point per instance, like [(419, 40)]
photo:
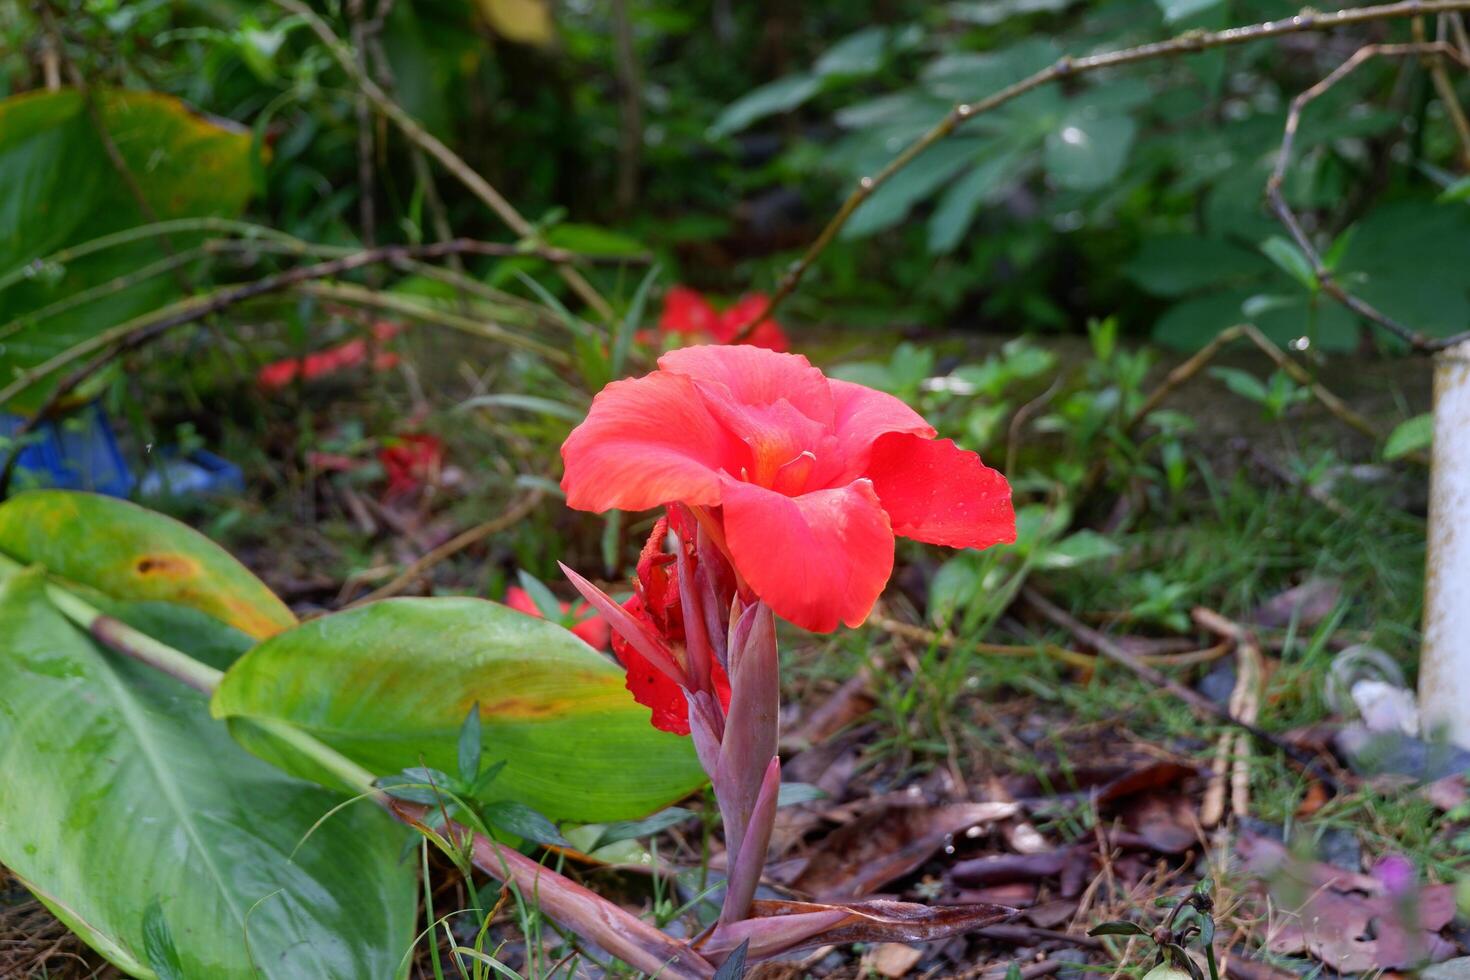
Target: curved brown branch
[(1325, 280), (1189, 42), (513, 515)]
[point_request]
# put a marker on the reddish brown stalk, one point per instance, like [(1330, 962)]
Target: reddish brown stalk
[(580, 910)]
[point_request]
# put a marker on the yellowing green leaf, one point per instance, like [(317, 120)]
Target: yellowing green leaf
[(388, 685), (132, 554)]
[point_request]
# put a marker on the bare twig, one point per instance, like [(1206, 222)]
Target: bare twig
[(513, 514), (1325, 280), (1446, 89), (1232, 751), (1190, 42), (1202, 705), (367, 213), (447, 158)]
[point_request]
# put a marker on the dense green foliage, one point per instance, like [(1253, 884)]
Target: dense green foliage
[(1134, 191)]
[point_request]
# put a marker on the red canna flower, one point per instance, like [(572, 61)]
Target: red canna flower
[(411, 461), (346, 355), (802, 480), (689, 316), (657, 606), (591, 627), (767, 333)]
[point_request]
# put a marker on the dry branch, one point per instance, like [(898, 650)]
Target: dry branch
[(1277, 200), (1203, 706)]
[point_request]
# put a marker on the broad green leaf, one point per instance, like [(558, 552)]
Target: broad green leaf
[(912, 108), (872, 374), (1088, 148), (1175, 265), (389, 684), (970, 76), (929, 171), (1195, 322), (1409, 259), (860, 53), (1410, 437), (1176, 10), (61, 190), (130, 553), (988, 12), (470, 745), (782, 95), (795, 794), (961, 202), (120, 791), (158, 943)]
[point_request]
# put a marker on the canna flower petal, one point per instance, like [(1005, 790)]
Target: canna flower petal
[(860, 415), (936, 492), (646, 442), (754, 376), (650, 686), (817, 560), (688, 314)]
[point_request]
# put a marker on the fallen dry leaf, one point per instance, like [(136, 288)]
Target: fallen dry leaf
[(1309, 603), (893, 959), (999, 869), (1313, 800), (1448, 793), (1165, 822), (1348, 921), (849, 703), (883, 921), (887, 843)]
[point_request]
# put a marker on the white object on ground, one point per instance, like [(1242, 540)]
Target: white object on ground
[(1444, 667), (1385, 708)]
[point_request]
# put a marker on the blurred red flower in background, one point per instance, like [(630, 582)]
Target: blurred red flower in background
[(591, 627), (689, 316), (802, 480), (411, 461), (351, 354)]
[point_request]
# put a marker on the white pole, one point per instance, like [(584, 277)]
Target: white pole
[(1444, 668)]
